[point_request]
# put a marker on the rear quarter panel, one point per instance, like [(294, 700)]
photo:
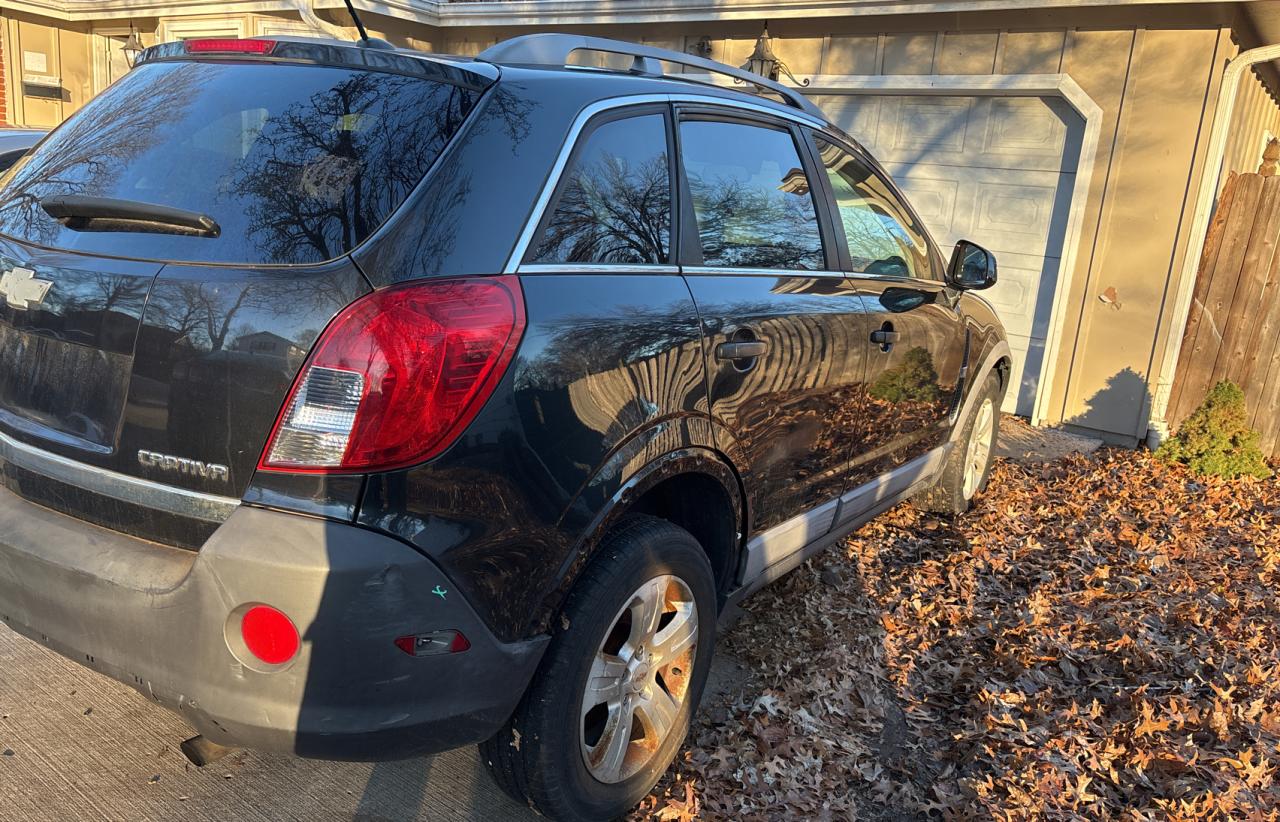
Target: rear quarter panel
[(608, 379)]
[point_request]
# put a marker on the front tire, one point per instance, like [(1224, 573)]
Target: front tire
[(968, 466), (614, 696)]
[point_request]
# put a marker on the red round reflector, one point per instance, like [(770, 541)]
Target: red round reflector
[(269, 634)]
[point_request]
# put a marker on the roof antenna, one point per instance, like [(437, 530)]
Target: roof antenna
[(355, 18)]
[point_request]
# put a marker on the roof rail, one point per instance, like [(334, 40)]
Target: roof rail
[(555, 49)]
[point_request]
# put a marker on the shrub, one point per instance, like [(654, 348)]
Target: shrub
[(915, 380), (1216, 440)]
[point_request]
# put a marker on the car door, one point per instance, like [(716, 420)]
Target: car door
[(784, 334), (917, 343)]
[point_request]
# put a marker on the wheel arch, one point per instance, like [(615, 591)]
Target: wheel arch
[(696, 488), (999, 359)]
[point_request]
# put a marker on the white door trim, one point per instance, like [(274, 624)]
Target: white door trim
[(1008, 85), (102, 53), (183, 28)]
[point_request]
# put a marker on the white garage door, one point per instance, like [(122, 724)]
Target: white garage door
[(995, 170)]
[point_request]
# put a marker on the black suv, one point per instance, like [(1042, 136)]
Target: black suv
[(363, 403)]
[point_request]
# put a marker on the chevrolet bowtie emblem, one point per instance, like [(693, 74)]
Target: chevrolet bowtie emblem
[(22, 290)]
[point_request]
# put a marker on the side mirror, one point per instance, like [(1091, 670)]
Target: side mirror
[(972, 267)]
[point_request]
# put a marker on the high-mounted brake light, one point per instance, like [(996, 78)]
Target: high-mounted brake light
[(397, 376), (209, 45)]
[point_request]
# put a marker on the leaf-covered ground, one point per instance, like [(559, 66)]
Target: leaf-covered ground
[(1098, 638)]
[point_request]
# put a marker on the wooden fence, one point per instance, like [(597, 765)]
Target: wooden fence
[(1233, 330)]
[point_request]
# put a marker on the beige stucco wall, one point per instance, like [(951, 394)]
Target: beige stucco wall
[(1154, 76)]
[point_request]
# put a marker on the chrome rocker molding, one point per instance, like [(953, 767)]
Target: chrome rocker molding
[(148, 494), (771, 554)]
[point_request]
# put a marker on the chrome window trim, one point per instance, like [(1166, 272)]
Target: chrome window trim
[(135, 490), (597, 268), (575, 131), (762, 272), (746, 105)]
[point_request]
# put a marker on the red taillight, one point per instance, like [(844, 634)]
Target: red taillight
[(269, 634), (208, 45), (434, 643), (397, 376)]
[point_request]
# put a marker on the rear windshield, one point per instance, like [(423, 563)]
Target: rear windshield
[(295, 163)]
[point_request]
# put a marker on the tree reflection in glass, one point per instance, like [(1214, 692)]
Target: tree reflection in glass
[(751, 198), (297, 164), (615, 204)]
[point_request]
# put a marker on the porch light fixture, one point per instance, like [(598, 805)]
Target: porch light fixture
[(132, 46), (765, 63)]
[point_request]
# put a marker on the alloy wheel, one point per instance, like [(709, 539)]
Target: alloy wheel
[(979, 451), (639, 679)]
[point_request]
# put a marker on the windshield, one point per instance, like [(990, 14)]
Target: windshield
[(295, 163)]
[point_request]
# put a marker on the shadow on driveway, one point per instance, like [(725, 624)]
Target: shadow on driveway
[(76, 745)]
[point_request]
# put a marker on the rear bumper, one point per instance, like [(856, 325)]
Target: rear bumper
[(156, 618)]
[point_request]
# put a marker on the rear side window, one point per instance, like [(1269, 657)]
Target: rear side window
[(295, 163), (751, 197), (614, 205), (883, 237)]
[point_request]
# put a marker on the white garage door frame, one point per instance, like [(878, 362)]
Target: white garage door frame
[(1007, 85)]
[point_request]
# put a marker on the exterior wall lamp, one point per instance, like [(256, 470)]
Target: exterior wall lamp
[(765, 63), (132, 46)]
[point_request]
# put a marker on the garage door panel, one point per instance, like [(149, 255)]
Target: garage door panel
[(1028, 359), (1030, 132), (917, 128), (999, 171), (857, 114), (1011, 211), (934, 199), (1018, 216), (1023, 293), (1022, 133)]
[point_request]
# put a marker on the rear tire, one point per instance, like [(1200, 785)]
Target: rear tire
[(968, 466), (639, 626)]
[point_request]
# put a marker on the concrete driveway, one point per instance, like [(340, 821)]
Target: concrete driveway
[(76, 745)]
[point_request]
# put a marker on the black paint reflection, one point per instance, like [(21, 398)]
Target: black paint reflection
[(791, 419), (608, 379), (913, 387), (65, 359), (216, 355)]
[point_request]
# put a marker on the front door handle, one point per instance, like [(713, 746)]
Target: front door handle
[(885, 337), (741, 350)]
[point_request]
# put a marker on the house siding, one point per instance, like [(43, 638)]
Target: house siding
[(1256, 115)]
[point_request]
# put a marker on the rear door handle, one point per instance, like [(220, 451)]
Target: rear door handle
[(885, 337), (741, 350)]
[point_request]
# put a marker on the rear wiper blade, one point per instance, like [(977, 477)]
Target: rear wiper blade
[(83, 213)]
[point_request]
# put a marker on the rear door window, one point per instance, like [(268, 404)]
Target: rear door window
[(295, 163), (751, 197), (614, 204), (883, 236)]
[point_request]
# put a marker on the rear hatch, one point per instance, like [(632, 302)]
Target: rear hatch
[(169, 255)]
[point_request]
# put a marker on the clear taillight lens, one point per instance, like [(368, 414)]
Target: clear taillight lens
[(397, 376), (316, 429)]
